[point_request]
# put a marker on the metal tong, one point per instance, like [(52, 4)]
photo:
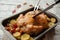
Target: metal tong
[(51, 6), (37, 6)]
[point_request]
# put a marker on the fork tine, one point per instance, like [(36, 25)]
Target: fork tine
[(36, 6)]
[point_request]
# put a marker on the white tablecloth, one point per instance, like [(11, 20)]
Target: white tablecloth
[(7, 6)]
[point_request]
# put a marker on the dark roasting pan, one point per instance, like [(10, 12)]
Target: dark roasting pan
[(5, 21)]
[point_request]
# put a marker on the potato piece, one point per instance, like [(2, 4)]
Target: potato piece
[(25, 37), (50, 24), (47, 18), (19, 38), (17, 34), (53, 20), (31, 38), (12, 21)]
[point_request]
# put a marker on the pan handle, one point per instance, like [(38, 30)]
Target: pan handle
[(59, 22)]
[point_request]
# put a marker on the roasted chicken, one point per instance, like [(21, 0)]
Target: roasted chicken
[(31, 25), (27, 24)]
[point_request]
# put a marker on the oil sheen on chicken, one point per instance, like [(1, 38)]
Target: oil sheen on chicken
[(30, 25)]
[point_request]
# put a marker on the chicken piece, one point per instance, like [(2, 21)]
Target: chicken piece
[(20, 16), (20, 20), (8, 29), (29, 20), (37, 11), (42, 20), (24, 20), (17, 29), (32, 30), (37, 29), (48, 18), (32, 13)]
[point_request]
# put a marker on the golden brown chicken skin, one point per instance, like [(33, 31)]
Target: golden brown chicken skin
[(32, 29), (42, 20), (27, 24)]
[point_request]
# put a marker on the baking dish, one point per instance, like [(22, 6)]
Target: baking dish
[(6, 20)]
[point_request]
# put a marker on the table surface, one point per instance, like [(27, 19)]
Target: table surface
[(8, 6)]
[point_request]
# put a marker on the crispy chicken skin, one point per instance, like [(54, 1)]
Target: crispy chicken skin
[(20, 20), (24, 20), (27, 19), (42, 20), (30, 24), (32, 29), (27, 24), (32, 13)]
